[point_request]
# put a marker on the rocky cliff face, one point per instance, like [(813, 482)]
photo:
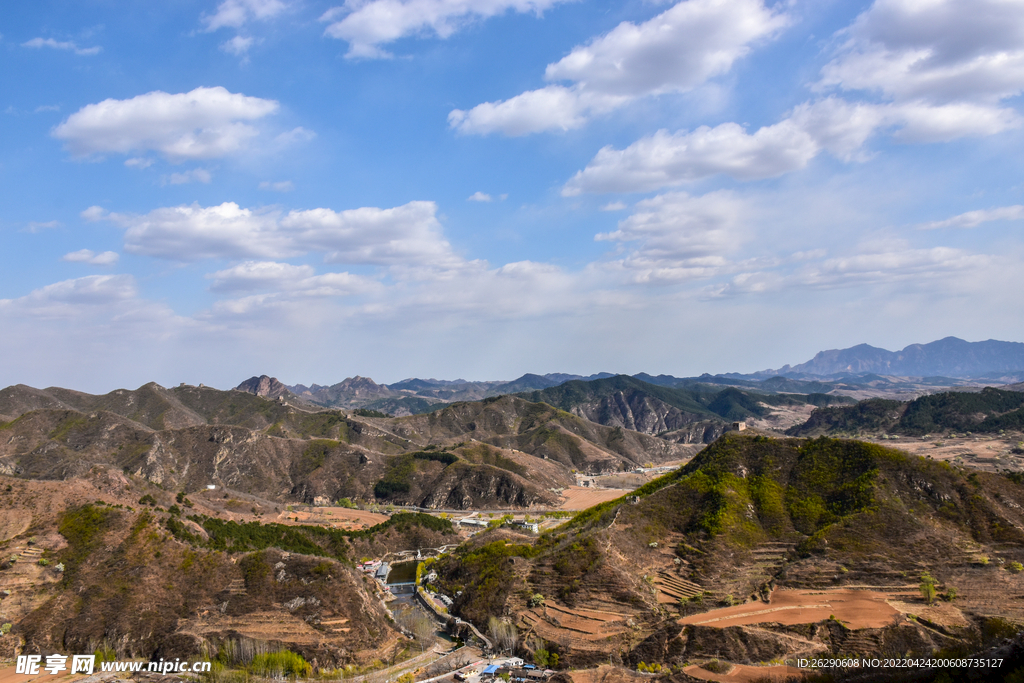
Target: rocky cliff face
[(640, 412), (267, 387)]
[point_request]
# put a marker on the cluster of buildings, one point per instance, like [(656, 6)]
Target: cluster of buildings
[(517, 672), (377, 569)]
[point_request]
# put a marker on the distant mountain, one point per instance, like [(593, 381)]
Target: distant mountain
[(950, 357), (693, 413), (263, 386), (987, 411)]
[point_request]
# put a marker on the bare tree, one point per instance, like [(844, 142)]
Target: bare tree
[(504, 634), (416, 622), (457, 660)]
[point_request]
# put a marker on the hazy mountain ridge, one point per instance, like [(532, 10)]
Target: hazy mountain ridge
[(860, 371), (949, 357)]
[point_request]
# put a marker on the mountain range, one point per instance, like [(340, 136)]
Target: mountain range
[(861, 371), (949, 357)]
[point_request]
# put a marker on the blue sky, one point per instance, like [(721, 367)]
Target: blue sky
[(203, 191)]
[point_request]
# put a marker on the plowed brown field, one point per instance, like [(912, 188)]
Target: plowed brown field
[(857, 608), (741, 673), (582, 497), (336, 517)]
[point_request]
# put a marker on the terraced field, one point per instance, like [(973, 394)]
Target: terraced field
[(856, 608), (586, 629)]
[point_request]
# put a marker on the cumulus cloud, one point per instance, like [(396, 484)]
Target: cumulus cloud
[(842, 128), (202, 124), (939, 51), (367, 25), (674, 52), (237, 13), (945, 64), (942, 67), (665, 159), (676, 236), (479, 197), (973, 219), (196, 175), (106, 258), (62, 45), (93, 214), (409, 233)]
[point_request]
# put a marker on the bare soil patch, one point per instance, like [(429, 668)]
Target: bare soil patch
[(985, 452), (856, 608), (344, 518), (583, 497), (742, 673), (605, 674)]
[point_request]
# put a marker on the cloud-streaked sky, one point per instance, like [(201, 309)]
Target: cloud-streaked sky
[(202, 191)]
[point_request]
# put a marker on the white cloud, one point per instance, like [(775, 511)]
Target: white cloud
[(407, 234), (552, 108), (613, 206), (286, 278), (674, 52), (47, 107), (887, 265), (666, 159), (279, 186), (93, 214), (946, 64), (294, 136), (367, 25), (196, 175), (842, 128), (973, 219), (138, 162), (106, 258), (236, 13), (870, 264), (676, 236), (62, 45), (201, 124), (922, 122), (479, 197), (92, 290), (36, 226), (238, 46), (939, 51)]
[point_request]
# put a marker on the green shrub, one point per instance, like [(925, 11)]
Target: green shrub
[(286, 663), (927, 588), (1015, 567)]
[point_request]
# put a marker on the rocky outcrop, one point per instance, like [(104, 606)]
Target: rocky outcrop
[(267, 387), (643, 413)]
